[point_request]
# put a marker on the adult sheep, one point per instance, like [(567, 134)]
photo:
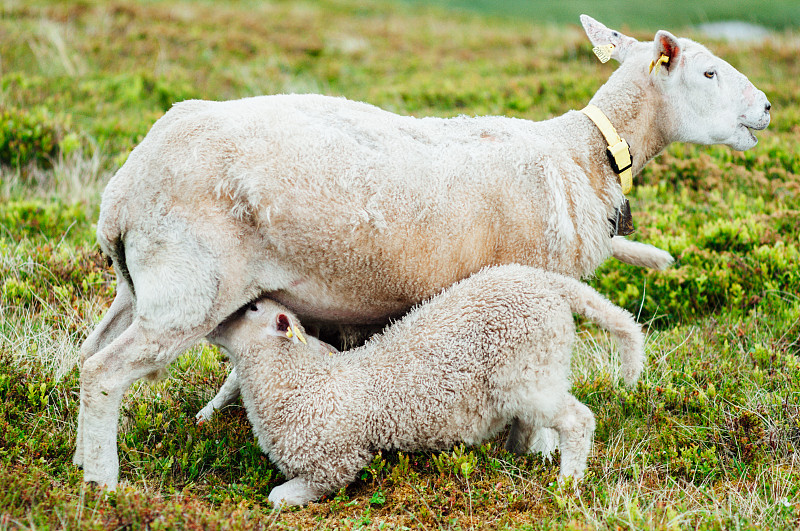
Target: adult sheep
[(346, 213)]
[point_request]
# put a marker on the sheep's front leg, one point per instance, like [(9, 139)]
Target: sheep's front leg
[(296, 491), (227, 395), (640, 254)]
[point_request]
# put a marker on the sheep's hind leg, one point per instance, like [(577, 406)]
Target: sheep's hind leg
[(116, 320), (182, 293), (136, 353)]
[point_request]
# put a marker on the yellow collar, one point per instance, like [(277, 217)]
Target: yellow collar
[(618, 151)]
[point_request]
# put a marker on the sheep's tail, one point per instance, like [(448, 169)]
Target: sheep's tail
[(110, 237), (640, 254), (627, 333)]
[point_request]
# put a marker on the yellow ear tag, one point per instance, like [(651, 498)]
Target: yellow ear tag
[(603, 52), (299, 336), (657, 65), (289, 333)]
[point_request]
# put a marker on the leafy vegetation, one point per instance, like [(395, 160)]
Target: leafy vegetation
[(708, 439)]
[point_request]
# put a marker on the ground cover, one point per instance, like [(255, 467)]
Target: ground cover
[(708, 439)]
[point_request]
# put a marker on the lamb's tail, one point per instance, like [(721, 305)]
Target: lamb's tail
[(628, 334)]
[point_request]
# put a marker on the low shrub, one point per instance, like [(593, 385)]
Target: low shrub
[(33, 136)]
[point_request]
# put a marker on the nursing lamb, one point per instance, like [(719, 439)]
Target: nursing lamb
[(490, 349), (346, 213)]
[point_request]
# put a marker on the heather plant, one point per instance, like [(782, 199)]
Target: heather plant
[(707, 439)]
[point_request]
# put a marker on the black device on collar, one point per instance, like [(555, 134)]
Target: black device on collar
[(622, 222)]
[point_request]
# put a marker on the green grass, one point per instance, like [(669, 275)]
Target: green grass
[(708, 439)]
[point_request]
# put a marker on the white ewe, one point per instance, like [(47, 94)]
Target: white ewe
[(346, 213), (490, 349)]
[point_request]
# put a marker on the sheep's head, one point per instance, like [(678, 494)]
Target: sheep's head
[(263, 324), (704, 99)]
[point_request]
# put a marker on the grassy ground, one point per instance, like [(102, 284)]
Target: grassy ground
[(708, 439)]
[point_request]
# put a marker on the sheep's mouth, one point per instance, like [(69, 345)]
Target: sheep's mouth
[(757, 126), (749, 131)]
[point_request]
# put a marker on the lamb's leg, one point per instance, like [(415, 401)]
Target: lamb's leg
[(333, 468), (322, 465), (227, 395), (525, 438), (116, 320), (575, 425), (297, 491)]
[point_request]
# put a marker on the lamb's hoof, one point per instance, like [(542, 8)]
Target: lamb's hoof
[(293, 492), (203, 416)]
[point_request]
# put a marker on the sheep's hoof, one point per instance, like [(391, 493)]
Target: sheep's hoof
[(96, 485), (570, 480), (109, 484)]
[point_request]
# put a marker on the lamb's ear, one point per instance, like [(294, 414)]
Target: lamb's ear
[(284, 325), (666, 53), (608, 43)]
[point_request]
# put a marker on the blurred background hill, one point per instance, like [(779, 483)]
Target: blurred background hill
[(636, 14)]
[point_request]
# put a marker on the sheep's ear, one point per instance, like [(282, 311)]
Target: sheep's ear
[(283, 325), (666, 53), (608, 43)]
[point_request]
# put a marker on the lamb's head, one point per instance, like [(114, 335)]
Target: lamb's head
[(705, 99), (264, 325)]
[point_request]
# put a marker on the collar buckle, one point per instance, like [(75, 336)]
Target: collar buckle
[(619, 156)]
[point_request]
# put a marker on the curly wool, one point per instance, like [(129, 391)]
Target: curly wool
[(492, 348)]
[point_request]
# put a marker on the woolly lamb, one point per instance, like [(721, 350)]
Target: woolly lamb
[(346, 213), (490, 349)]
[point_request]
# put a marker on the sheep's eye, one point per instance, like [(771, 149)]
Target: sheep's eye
[(710, 74), (253, 308)]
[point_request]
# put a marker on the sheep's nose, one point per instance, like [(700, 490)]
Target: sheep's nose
[(767, 107)]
